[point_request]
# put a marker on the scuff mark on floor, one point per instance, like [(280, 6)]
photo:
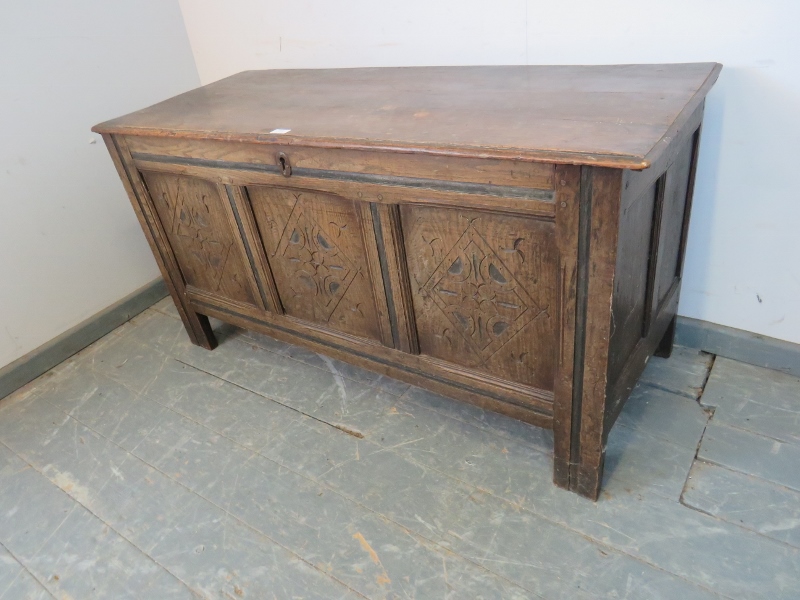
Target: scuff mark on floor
[(382, 578), (347, 430)]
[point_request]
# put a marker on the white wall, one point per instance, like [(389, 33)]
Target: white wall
[(742, 267), (70, 244)]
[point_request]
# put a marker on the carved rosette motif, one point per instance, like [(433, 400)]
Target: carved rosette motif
[(479, 295), (320, 271)]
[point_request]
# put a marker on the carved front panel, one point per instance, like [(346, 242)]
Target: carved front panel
[(315, 246), (484, 291), (196, 224)]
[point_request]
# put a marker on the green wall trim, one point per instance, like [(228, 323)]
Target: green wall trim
[(739, 345), (724, 341), (37, 362)]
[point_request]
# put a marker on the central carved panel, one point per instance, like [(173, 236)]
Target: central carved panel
[(315, 246), (479, 295), (483, 286), (321, 270)]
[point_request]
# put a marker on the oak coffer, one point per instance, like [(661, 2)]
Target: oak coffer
[(509, 236)]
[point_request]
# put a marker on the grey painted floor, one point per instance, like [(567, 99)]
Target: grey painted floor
[(145, 467)]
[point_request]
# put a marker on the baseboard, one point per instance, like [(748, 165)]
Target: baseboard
[(736, 344), (27, 368)]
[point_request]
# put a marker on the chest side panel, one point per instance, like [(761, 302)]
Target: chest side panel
[(672, 233), (630, 283)]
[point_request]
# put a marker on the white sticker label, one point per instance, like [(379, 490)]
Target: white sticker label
[(280, 131)]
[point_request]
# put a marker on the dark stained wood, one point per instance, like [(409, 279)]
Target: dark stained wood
[(676, 191), (568, 196), (687, 212), (522, 402), (442, 168), (599, 115), (587, 472), (635, 182), (653, 254), (242, 242), (193, 214), (377, 275), (262, 273), (484, 291), (541, 204), (629, 309), (197, 324), (618, 391), (392, 253), (437, 380), (512, 237), (315, 245), (676, 170), (664, 348)]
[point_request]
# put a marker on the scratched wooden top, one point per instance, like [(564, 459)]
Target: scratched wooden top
[(612, 115)]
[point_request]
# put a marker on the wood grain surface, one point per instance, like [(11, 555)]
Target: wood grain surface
[(511, 237), (613, 115)]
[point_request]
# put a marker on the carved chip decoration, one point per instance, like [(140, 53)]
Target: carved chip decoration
[(479, 295), (320, 271), (191, 222)]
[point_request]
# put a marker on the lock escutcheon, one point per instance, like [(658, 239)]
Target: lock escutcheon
[(283, 164)]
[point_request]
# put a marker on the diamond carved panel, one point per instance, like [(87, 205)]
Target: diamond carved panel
[(483, 288), (315, 246), (319, 268), (479, 295), (194, 219)]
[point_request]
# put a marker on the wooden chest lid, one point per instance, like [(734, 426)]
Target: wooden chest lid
[(611, 115)]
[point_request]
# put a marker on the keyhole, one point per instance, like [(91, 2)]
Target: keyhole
[(283, 163)]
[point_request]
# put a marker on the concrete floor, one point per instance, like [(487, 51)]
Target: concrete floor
[(145, 467)]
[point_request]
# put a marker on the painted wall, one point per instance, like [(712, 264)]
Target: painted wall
[(70, 244), (742, 262)]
